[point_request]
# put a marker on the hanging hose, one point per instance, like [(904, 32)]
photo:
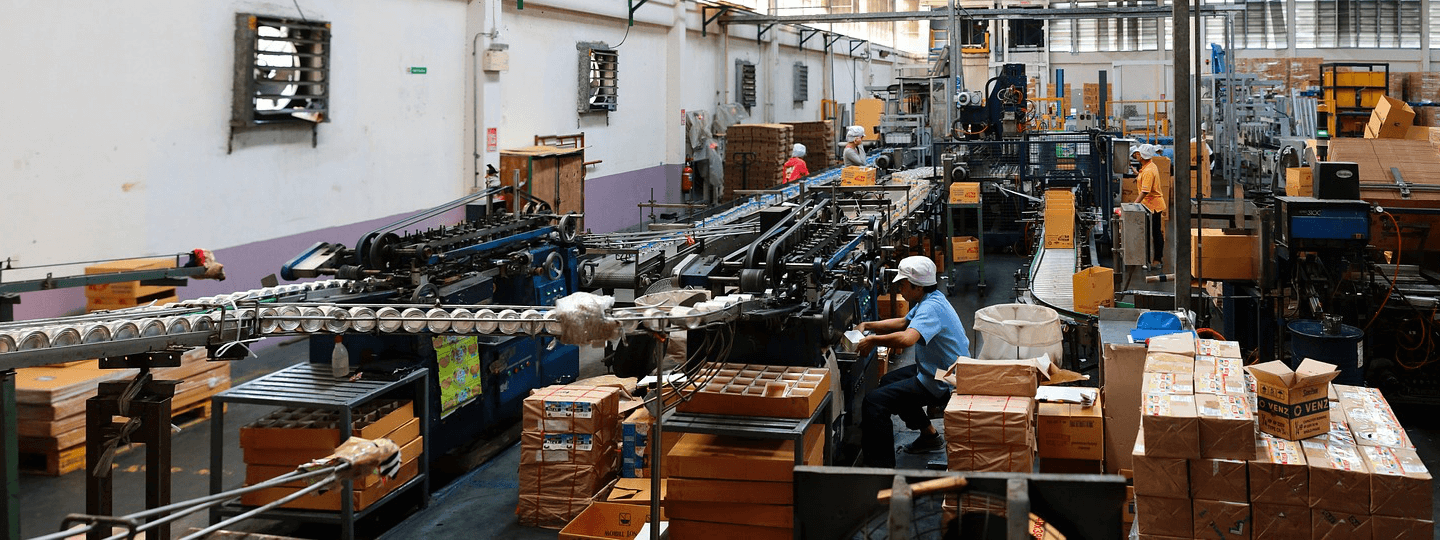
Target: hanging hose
[(1399, 250)]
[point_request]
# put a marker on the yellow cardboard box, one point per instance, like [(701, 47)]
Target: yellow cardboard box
[(965, 248), (1092, 288), (964, 193), (1299, 182), (857, 176), (1070, 431), (1390, 119), (1223, 256)]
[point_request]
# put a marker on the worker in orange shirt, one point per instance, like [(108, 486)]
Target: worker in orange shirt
[(1152, 196), (795, 167)]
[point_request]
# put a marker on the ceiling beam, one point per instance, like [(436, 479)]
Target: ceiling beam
[(1135, 12)]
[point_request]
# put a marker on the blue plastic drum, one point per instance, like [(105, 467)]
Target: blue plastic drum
[(1345, 349)]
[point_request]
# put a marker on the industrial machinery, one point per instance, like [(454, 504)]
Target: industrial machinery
[(1003, 111), (914, 110)]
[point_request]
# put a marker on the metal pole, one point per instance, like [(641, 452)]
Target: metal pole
[(956, 73), (653, 446), (1183, 113), (9, 452)]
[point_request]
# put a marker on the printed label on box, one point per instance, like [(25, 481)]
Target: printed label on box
[(1345, 457), (583, 410), (1283, 452), (557, 409), (558, 441), (583, 442), (1383, 461)]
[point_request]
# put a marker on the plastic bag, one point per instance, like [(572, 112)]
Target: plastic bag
[(583, 319), (1018, 331)]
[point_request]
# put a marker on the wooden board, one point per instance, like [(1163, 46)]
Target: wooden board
[(552, 174)]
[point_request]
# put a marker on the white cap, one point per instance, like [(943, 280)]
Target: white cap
[(918, 269), (798, 150), (1146, 151), (854, 132)]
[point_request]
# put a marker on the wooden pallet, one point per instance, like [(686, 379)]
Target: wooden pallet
[(53, 463)]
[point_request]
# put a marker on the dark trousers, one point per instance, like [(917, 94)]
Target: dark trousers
[(1157, 236), (898, 393)]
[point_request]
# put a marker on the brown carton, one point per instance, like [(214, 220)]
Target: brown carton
[(1218, 480), (990, 420), (1299, 181), (1182, 343), (730, 491), (1215, 254), (1159, 476), (1168, 383), (1170, 426), (965, 248), (1333, 525), (1390, 119), (1393, 528), (1400, 486), (1369, 417), (1164, 516), (1220, 519), (1227, 429), (1280, 522), (964, 192), (1158, 362), (1071, 431), (603, 520), (1278, 474), (993, 377), (636, 491), (1092, 289), (572, 409), (580, 448), (1339, 478), (967, 456), (1218, 375), (1293, 404), (1217, 348), (1120, 366), (762, 515), (734, 458)]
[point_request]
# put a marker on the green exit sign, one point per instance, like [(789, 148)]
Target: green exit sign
[(417, 71)]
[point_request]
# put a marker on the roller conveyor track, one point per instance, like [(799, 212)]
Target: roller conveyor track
[(1052, 283)]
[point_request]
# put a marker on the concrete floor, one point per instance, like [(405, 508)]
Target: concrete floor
[(481, 503)]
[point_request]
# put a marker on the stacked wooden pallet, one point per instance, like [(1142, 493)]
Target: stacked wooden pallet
[(755, 156), (819, 141), (50, 405), (127, 293)]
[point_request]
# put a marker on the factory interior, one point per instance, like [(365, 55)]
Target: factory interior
[(720, 269)]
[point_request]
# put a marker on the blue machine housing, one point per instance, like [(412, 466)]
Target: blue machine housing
[(1307, 223)]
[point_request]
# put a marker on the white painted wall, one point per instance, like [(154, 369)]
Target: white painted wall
[(116, 117)]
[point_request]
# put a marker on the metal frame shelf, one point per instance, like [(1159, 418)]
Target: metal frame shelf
[(792, 429), (311, 385), (952, 268)]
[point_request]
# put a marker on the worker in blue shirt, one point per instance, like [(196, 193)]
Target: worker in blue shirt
[(933, 326)]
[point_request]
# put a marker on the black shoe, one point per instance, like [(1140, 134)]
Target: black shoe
[(924, 444)]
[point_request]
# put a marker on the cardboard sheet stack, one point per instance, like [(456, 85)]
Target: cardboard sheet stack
[(1263, 452), (819, 140), (569, 451), (278, 442), (50, 404), (127, 293), (742, 488), (990, 421), (770, 145)]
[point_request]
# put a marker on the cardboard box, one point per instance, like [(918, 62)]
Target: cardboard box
[(1127, 516), (1278, 474), (1071, 431), (295, 428), (1167, 383), (681, 529), (1221, 519), (1160, 362), (1293, 404), (761, 515), (1369, 417), (1400, 486), (973, 457), (1072, 466), (892, 306), (1217, 348), (730, 491), (1059, 219), (330, 500), (965, 248), (582, 448), (1214, 375), (1334, 525), (964, 192), (992, 420), (1093, 288), (1299, 182), (1280, 522), (1159, 476), (734, 458), (1219, 480), (1393, 528), (993, 377), (127, 289), (760, 390), (1164, 516), (1217, 255), (1390, 119), (1182, 343), (636, 491), (1339, 477), (635, 450), (857, 176), (606, 520), (1227, 427), (572, 409), (1120, 366), (1170, 425)]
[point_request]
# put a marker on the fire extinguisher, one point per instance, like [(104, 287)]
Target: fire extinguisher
[(685, 183)]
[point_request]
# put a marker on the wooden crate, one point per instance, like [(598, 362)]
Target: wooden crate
[(549, 173)]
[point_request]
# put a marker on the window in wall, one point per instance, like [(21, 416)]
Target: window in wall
[(1358, 23), (1261, 24), (1062, 34), (282, 71), (1027, 33), (599, 79), (802, 82), (745, 83)]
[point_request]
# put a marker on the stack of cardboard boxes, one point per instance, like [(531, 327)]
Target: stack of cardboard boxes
[(766, 146), (127, 293), (1292, 73), (1059, 218), (569, 451), (1391, 119), (735, 487), (1337, 466), (278, 442), (1064, 98), (1091, 96), (990, 421), (1071, 437), (51, 404), (819, 141), (635, 450)]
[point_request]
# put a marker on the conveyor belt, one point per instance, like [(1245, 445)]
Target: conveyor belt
[(1051, 278)]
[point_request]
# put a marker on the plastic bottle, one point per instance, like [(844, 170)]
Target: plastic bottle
[(340, 359)]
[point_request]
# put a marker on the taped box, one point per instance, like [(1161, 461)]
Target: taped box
[(1369, 417), (996, 377), (1278, 473), (1280, 521), (1071, 431), (1221, 519), (572, 409), (1219, 480), (1293, 404), (1167, 383), (964, 192), (857, 176), (1326, 524), (1159, 476), (1162, 362), (981, 457), (1217, 375), (1339, 477), (1400, 486), (1227, 427), (995, 420), (1170, 426), (1163, 516), (1393, 528), (1182, 343)]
